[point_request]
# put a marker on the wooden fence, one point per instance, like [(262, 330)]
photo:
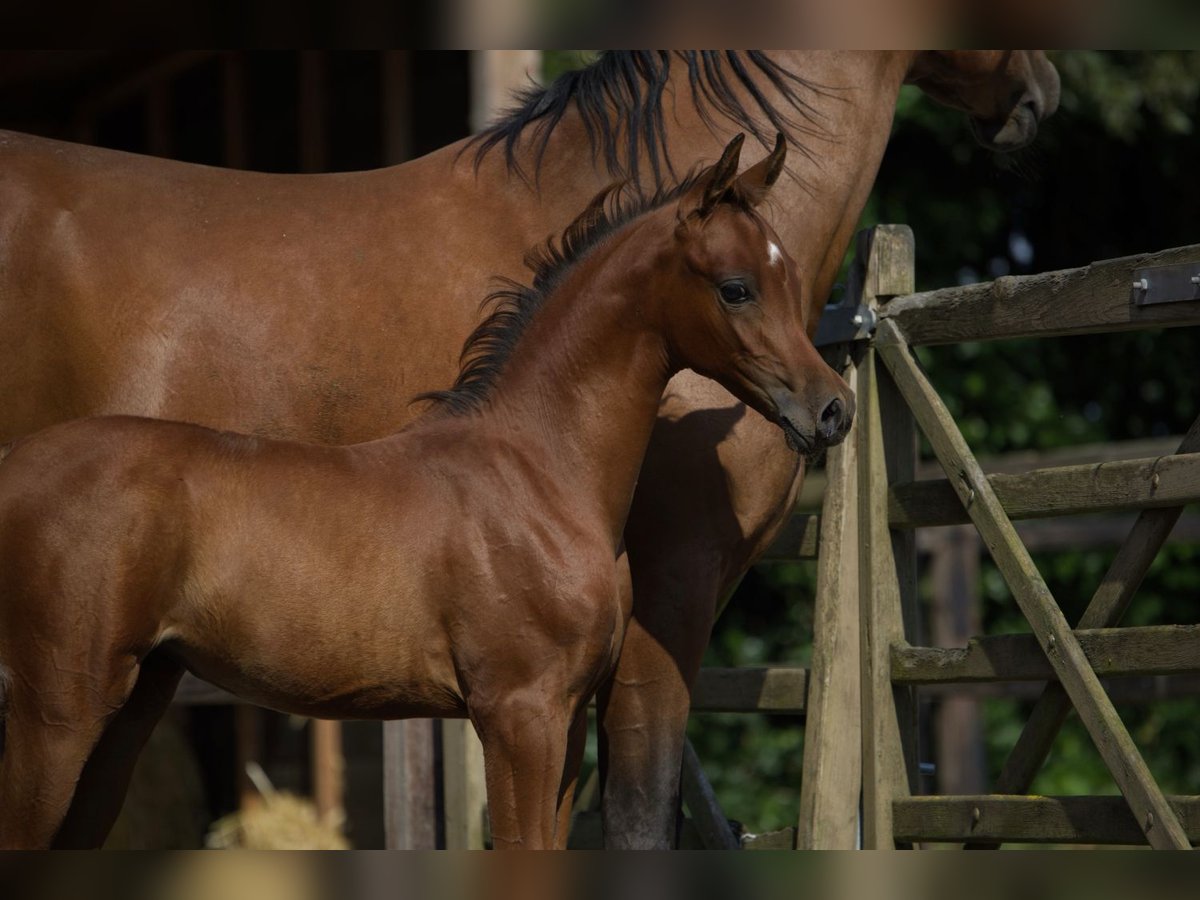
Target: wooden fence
[(894, 396)]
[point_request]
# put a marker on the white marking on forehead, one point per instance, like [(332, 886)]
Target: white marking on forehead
[(774, 254)]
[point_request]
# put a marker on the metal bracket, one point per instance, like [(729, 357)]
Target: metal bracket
[(1166, 284), (845, 325)]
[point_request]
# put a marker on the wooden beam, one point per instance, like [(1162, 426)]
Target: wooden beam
[(1045, 820), (1106, 608), (463, 789), (780, 689), (1152, 650), (886, 711), (1099, 487), (328, 770), (832, 773), (954, 617), (1059, 642), (409, 813), (1098, 297), (701, 802)]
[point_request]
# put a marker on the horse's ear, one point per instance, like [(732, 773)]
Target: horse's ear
[(753, 185), (714, 182)]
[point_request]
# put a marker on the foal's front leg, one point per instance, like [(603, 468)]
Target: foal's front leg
[(525, 742)]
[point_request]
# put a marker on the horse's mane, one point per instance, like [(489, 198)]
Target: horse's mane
[(620, 101), (513, 305)]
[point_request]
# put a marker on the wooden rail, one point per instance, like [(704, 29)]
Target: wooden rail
[(1152, 650), (1094, 298), (1044, 820)]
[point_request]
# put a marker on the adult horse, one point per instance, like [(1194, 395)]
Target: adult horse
[(315, 306)]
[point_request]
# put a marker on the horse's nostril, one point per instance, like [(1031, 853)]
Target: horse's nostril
[(832, 414)]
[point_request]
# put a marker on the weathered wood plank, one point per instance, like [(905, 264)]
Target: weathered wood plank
[(710, 822), (1049, 820), (885, 776), (1107, 606), (1093, 298), (1095, 709), (1134, 690), (1152, 650), (777, 689), (955, 616), (799, 539), (409, 794), (832, 772), (464, 793), (1099, 487)]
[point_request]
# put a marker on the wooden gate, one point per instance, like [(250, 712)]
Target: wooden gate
[(894, 396)]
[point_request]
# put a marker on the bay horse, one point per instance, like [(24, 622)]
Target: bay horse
[(302, 306), (472, 563)]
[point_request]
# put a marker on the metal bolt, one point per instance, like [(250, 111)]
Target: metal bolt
[(1154, 479), (1051, 643), (975, 816), (1149, 821), (1141, 285)]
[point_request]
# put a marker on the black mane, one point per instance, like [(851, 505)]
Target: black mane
[(513, 305), (620, 100)]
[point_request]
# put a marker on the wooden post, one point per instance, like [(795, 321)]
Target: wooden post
[(495, 76), (887, 560), (464, 790), (410, 814), (955, 619), (1150, 808), (832, 778), (328, 770)]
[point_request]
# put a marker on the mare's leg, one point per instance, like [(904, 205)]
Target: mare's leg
[(57, 709), (576, 740), (717, 483), (105, 780)]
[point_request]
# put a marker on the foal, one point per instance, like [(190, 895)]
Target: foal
[(470, 564)]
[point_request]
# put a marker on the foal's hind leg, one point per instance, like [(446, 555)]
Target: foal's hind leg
[(56, 714), (105, 780)]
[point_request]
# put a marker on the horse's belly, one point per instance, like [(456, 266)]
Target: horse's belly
[(335, 676)]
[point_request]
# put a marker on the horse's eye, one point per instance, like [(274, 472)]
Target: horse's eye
[(734, 292)]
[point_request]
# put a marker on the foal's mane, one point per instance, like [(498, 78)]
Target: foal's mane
[(620, 100), (513, 305)]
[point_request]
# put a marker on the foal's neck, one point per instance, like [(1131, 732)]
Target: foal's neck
[(583, 385)]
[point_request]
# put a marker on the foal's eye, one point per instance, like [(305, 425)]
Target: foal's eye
[(734, 292)]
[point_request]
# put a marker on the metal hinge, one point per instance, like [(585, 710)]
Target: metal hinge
[(845, 325), (1166, 284)]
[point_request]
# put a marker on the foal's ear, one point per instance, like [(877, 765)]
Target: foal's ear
[(714, 183), (753, 185)]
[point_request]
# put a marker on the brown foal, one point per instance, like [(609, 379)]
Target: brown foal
[(472, 563)]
